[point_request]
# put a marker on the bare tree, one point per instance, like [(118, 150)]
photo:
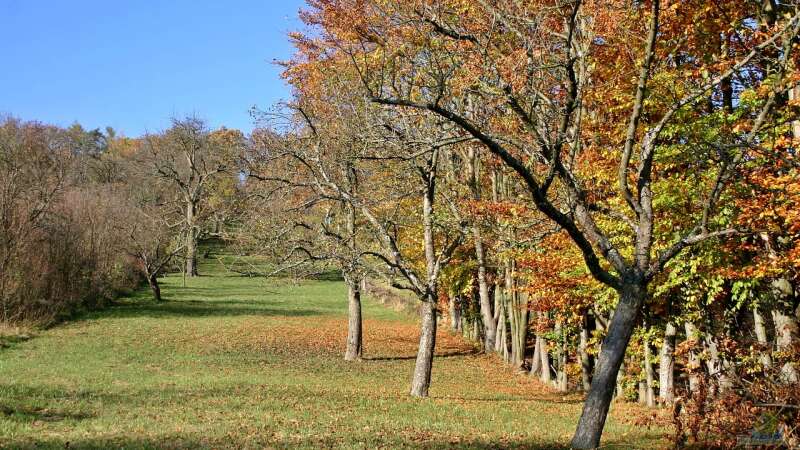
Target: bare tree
[(187, 157)]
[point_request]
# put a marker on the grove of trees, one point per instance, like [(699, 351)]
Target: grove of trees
[(603, 193)]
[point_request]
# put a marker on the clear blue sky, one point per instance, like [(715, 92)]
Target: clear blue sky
[(133, 64)]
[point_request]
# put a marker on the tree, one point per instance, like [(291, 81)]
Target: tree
[(525, 81), (311, 226), (143, 216), (32, 178), (189, 157)]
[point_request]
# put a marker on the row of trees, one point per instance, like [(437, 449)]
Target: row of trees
[(603, 193)]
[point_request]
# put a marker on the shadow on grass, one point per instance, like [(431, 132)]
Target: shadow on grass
[(517, 399), (25, 414), (9, 340), (412, 357), (206, 308)]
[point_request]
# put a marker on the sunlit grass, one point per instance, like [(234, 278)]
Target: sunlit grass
[(239, 362)]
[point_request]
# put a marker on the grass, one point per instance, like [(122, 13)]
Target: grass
[(238, 362)]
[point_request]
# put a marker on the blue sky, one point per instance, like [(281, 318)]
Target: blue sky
[(135, 64)]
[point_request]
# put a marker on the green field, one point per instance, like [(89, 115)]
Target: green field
[(238, 362)]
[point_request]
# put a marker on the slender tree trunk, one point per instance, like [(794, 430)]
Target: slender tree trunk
[(518, 313), (650, 398), (421, 381), (642, 397), (152, 280), (544, 375), (794, 94), (536, 361), (786, 331), (455, 315), (583, 354), (694, 361), (666, 365), (595, 408), (501, 340), (354, 337), (761, 336), (619, 390), (489, 328), (561, 359), (718, 368), (191, 239)]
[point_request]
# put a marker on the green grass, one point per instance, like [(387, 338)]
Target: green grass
[(238, 362)]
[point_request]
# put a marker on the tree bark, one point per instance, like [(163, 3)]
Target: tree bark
[(561, 359), (544, 375), (536, 361), (518, 313), (455, 315), (650, 399), (583, 354), (718, 368), (786, 331), (666, 365), (501, 340), (354, 327), (619, 390), (761, 336), (152, 280), (421, 380), (595, 408), (694, 361), (191, 239), (489, 327)]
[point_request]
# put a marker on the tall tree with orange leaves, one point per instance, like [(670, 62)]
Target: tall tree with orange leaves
[(555, 89)]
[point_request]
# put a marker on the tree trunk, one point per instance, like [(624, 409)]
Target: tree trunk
[(544, 375), (536, 361), (595, 408), (650, 399), (489, 328), (642, 397), (455, 315), (785, 335), (794, 94), (694, 361), (718, 368), (619, 390), (518, 313), (666, 365), (501, 340), (354, 337), (427, 343), (583, 354), (761, 335), (152, 280), (421, 380), (191, 240), (561, 359)]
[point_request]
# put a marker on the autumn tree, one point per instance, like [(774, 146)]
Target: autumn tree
[(525, 80), (188, 157)]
